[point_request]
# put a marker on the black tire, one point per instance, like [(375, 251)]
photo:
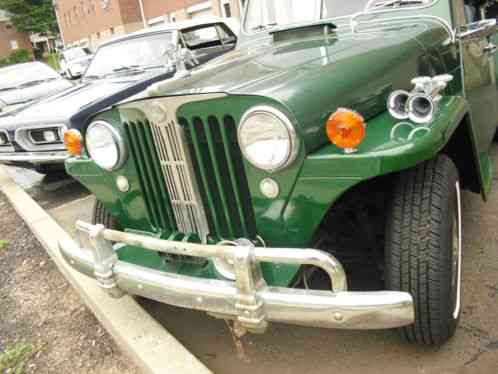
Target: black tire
[(49, 169), (423, 248), (101, 216)]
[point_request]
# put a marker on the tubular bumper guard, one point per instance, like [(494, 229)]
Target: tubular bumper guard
[(248, 300), (35, 158)]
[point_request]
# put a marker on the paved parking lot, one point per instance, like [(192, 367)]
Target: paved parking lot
[(289, 350)]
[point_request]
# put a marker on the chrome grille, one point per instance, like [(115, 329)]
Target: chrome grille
[(176, 167)]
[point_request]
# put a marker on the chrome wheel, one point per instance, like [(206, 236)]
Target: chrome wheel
[(456, 266)]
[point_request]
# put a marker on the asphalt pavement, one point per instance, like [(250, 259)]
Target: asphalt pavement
[(289, 349)]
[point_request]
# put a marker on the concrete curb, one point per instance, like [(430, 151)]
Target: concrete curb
[(145, 341)]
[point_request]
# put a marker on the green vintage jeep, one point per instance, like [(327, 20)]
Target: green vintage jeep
[(332, 144)]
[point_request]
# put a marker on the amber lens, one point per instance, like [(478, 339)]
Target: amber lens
[(346, 129), (72, 141)]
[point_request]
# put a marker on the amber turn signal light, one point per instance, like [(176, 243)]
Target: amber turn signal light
[(346, 129), (72, 142)]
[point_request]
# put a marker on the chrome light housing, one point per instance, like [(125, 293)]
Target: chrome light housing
[(105, 145), (422, 104), (4, 139), (267, 138), (396, 104)]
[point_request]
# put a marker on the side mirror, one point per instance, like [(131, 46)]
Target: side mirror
[(483, 28)]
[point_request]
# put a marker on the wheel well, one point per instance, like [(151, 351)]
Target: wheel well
[(353, 228), (459, 149)]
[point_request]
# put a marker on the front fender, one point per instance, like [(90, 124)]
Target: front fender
[(328, 173)]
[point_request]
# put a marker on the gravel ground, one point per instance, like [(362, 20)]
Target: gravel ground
[(40, 309)]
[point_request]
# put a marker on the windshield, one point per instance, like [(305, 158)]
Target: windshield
[(24, 74), (264, 14), (137, 53), (73, 54)]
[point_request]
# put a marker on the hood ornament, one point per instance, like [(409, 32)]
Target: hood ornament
[(178, 58)]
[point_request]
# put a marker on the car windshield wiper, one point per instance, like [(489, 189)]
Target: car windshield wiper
[(151, 67), (35, 82), (263, 27), (395, 3), (133, 68), (7, 88), (93, 76)]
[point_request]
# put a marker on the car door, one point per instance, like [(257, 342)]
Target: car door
[(478, 54)]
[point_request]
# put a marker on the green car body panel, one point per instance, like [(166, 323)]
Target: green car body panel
[(308, 79)]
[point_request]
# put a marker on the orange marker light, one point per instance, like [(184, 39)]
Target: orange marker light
[(346, 129), (72, 141)]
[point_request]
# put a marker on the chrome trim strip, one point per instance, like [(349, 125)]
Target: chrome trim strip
[(22, 137), (291, 131), (7, 147), (35, 158), (118, 139), (248, 300)]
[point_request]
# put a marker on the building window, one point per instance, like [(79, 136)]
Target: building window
[(14, 45), (8, 26), (227, 11)]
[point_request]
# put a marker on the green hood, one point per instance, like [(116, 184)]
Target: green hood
[(312, 77)]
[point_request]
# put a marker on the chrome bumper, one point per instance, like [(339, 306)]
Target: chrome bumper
[(35, 158), (248, 300)]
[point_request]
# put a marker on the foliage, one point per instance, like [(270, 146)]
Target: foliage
[(13, 359), (31, 16), (3, 244), (52, 59), (16, 57)]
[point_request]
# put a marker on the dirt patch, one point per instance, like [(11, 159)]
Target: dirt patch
[(41, 313)]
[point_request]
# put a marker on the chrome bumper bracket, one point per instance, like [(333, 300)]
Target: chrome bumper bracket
[(248, 300)]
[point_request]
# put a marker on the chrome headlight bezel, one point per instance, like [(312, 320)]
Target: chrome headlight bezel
[(117, 142), (286, 127)]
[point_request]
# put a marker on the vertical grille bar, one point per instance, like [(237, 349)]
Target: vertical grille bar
[(224, 189), (156, 198), (216, 167), (233, 178), (155, 187), (202, 167)]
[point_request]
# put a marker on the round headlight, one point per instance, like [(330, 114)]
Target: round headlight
[(267, 138), (105, 146)]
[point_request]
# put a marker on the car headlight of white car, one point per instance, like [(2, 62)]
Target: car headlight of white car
[(267, 138), (105, 145)]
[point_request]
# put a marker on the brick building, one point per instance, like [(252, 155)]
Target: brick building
[(10, 39), (91, 22)]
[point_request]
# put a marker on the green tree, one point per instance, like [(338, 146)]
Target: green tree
[(31, 16)]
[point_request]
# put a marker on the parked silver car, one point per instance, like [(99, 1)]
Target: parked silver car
[(22, 84), (75, 61)]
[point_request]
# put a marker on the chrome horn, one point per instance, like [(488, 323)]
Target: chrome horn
[(422, 104)]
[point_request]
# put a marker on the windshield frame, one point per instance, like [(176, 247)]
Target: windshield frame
[(318, 19)]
